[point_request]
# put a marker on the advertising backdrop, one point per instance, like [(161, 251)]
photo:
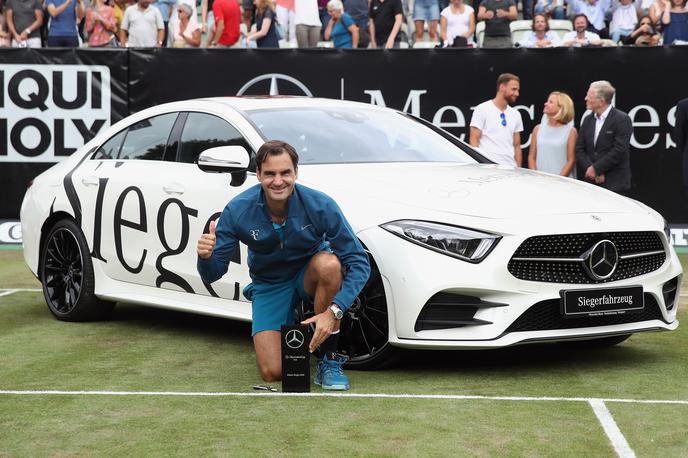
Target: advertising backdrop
[(53, 99), (52, 102)]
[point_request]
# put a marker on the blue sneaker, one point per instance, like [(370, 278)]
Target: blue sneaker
[(329, 374)]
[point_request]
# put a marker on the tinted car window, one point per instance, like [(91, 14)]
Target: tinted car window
[(147, 139), (348, 135), (110, 149), (203, 131)]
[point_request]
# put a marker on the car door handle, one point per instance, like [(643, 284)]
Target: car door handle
[(90, 181), (173, 188)]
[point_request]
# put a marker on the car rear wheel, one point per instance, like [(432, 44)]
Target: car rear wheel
[(66, 272), (364, 330)]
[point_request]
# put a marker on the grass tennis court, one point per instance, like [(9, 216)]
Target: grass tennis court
[(143, 349)]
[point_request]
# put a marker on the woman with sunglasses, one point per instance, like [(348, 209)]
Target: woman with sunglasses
[(185, 33), (553, 143)]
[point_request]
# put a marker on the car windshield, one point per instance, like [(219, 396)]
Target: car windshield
[(354, 135)]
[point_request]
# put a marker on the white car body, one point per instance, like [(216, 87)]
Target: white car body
[(515, 204)]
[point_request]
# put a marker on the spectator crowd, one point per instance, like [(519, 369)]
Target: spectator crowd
[(341, 23)]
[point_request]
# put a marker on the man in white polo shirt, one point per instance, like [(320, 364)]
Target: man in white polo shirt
[(496, 127), (142, 26)]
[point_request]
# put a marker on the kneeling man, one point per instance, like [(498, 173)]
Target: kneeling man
[(300, 247)]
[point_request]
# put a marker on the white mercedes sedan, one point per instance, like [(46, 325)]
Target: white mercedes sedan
[(464, 253)]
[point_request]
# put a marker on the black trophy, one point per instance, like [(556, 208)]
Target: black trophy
[(296, 367)]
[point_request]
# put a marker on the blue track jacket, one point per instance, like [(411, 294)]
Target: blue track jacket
[(313, 218)]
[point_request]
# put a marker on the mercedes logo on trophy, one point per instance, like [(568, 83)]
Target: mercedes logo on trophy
[(294, 339), (296, 366)]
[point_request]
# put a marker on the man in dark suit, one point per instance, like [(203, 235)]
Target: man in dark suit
[(602, 149), (681, 136)]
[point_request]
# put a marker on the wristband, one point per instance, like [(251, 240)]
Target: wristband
[(28, 30)]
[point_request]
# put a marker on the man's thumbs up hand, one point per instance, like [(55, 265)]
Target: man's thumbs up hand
[(206, 243)]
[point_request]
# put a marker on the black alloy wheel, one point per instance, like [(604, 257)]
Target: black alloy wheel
[(364, 332), (66, 272)]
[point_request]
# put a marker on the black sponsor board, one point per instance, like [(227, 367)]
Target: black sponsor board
[(601, 302), (439, 85), (296, 368)]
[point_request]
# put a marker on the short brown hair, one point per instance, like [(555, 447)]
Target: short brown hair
[(504, 78), (275, 148)]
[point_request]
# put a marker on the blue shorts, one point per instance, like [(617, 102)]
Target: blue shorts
[(272, 304), (426, 10)]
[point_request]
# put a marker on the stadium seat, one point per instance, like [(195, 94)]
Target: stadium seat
[(519, 29), (560, 26), (284, 44)]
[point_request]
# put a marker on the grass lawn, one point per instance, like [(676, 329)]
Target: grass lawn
[(13, 271), (143, 349)]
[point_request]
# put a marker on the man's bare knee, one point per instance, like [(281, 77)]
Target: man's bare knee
[(268, 359), (270, 375), (328, 267)]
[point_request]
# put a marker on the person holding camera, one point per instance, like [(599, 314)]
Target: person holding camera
[(300, 247), (644, 34)]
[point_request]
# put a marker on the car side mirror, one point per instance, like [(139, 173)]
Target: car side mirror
[(224, 159)]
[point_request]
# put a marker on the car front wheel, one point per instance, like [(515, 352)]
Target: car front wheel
[(364, 330), (66, 272)]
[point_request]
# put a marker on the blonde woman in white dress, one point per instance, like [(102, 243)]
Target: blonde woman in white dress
[(553, 143)]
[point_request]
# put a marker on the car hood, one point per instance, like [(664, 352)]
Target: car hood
[(485, 191)]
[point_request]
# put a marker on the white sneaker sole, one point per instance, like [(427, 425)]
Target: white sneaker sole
[(335, 387)]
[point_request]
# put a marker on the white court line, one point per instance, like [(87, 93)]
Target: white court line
[(333, 394), (18, 290), (598, 405), (611, 429), (8, 292)]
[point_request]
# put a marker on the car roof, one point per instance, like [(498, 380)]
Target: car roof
[(249, 103)]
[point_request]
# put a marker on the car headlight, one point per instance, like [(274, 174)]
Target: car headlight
[(458, 242), (667, 231)]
